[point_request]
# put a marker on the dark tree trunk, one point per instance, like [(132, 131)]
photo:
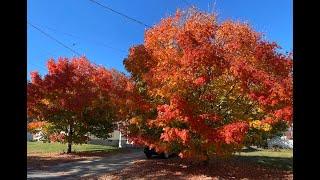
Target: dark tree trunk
[(206, 162), (70, 133), (69, 147)]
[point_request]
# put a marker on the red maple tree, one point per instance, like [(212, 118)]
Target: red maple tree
[(76, 97), (205, 84)]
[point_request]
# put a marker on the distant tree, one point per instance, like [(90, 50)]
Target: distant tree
[(35, 126), (76, 97)]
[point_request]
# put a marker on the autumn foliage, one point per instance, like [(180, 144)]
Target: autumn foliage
[(35, 126), (205, 88), (77, 97)]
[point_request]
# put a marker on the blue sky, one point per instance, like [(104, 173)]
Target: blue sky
[(105, 37)]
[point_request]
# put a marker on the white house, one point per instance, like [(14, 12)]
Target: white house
[(116, 139), (285, 141), (289, 133)]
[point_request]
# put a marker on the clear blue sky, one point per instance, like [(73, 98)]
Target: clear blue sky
[(94, 29)]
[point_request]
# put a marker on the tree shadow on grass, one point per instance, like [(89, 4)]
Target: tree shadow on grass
[(253, 167), (272, 162), (249, 149), (101, 153)]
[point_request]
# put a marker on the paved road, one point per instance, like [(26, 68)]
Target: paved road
[(81, 169)]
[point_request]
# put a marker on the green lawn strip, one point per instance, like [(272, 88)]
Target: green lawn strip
[(277, 159), (40, 147)]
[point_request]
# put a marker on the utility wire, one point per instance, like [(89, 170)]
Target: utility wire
[(37, 65), (46, 34), (49, 36), (75, 36), (130, 18), (121, 14)]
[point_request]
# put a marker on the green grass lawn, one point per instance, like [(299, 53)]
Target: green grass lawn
[(40, 147), (281, 159), (282, 153)]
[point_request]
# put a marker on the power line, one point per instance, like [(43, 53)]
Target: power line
[(130, 18), (48, 35), (78, 37), (43, 68), (121, 14)]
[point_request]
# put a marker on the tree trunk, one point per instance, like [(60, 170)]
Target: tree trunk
[(70, 133), (207, 160), (69, 147)]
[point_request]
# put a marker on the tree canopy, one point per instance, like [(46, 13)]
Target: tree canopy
[(207, 88), (77, 97)]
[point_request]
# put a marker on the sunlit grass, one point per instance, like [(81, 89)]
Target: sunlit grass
[(285, 153), (40, 147)]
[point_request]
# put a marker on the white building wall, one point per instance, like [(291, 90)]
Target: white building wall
[(29, 136), (112, 141)]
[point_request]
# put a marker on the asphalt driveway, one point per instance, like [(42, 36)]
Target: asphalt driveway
[(87, 168)]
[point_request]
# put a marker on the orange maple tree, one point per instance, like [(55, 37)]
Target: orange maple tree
[(207, 87), (76, 97)]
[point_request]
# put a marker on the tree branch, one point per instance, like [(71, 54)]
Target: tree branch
[(249, 108)]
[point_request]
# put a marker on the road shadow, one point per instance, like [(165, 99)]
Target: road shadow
[(45, 161), (80, 169)]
